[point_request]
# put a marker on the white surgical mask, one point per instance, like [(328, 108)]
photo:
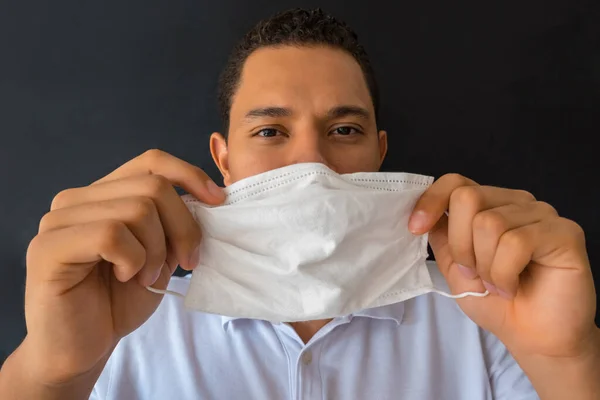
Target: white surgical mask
[(305, 243)]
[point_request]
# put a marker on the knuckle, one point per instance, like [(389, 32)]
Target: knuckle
[(513, 241), (547, 208), (156, 185), (455, 178), (60, 200), (111, 234), (153, 156), (491, 222), (575, 230), (142, 208), (525, 195), (32, 249), (467, 195), (46, 222)]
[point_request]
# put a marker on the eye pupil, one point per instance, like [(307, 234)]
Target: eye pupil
[(268, 132), (344, 130)]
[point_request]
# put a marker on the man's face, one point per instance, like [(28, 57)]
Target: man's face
[(296, 105)]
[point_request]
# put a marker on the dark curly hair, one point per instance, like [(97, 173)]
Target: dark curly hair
[(295, 27)]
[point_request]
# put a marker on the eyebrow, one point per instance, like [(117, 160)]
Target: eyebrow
[(348, 111), (334, 113), (272, 112)]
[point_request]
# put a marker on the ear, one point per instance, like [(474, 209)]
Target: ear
[(220, 155), (382, 146)]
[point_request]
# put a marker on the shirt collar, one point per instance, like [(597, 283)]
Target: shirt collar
[(393, 312)]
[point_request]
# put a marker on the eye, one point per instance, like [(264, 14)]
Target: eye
[(267, 133), (345, 131)]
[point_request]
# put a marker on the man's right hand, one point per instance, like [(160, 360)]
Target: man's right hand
[(96, 250)]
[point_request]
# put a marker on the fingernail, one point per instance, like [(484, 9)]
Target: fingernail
[(505, 295), (417, 222), (490, 288), (469, 273), (194, 258), (214, 190)]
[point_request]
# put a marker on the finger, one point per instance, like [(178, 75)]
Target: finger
[(182, 231), (490, 225), (180, 173), (434, 202), (171, 262), (458, 280), (138, 213), (438, 239), (465, 203), (555, 242), (68, 255)]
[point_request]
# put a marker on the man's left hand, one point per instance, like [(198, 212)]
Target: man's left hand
[(533, 262)]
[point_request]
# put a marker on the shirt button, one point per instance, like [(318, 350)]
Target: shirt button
[(307, 358)]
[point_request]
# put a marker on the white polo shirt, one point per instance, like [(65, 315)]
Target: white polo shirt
[(421, 349)]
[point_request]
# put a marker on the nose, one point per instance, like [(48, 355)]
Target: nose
[(308, 147)]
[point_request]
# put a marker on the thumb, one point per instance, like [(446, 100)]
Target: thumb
[(460, 279)]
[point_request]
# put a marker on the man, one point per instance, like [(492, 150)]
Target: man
[(298, 89)]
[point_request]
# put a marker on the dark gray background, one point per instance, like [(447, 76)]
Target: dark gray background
[(505, 92)]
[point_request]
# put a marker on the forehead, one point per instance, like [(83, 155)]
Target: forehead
[(305, 78)]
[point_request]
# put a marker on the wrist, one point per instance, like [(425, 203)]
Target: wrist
[(25, 374), (51, 367), (574, 376)]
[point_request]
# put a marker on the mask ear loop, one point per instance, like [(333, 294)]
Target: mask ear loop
[(461, 295), (158, 291)]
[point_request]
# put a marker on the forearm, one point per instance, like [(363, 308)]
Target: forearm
[(18, 381), (561, 378)]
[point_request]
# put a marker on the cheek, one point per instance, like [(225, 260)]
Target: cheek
[(350, 159), (244, 164)]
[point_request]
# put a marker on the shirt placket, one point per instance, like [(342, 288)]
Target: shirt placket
[(303, 359), (307, 367)]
